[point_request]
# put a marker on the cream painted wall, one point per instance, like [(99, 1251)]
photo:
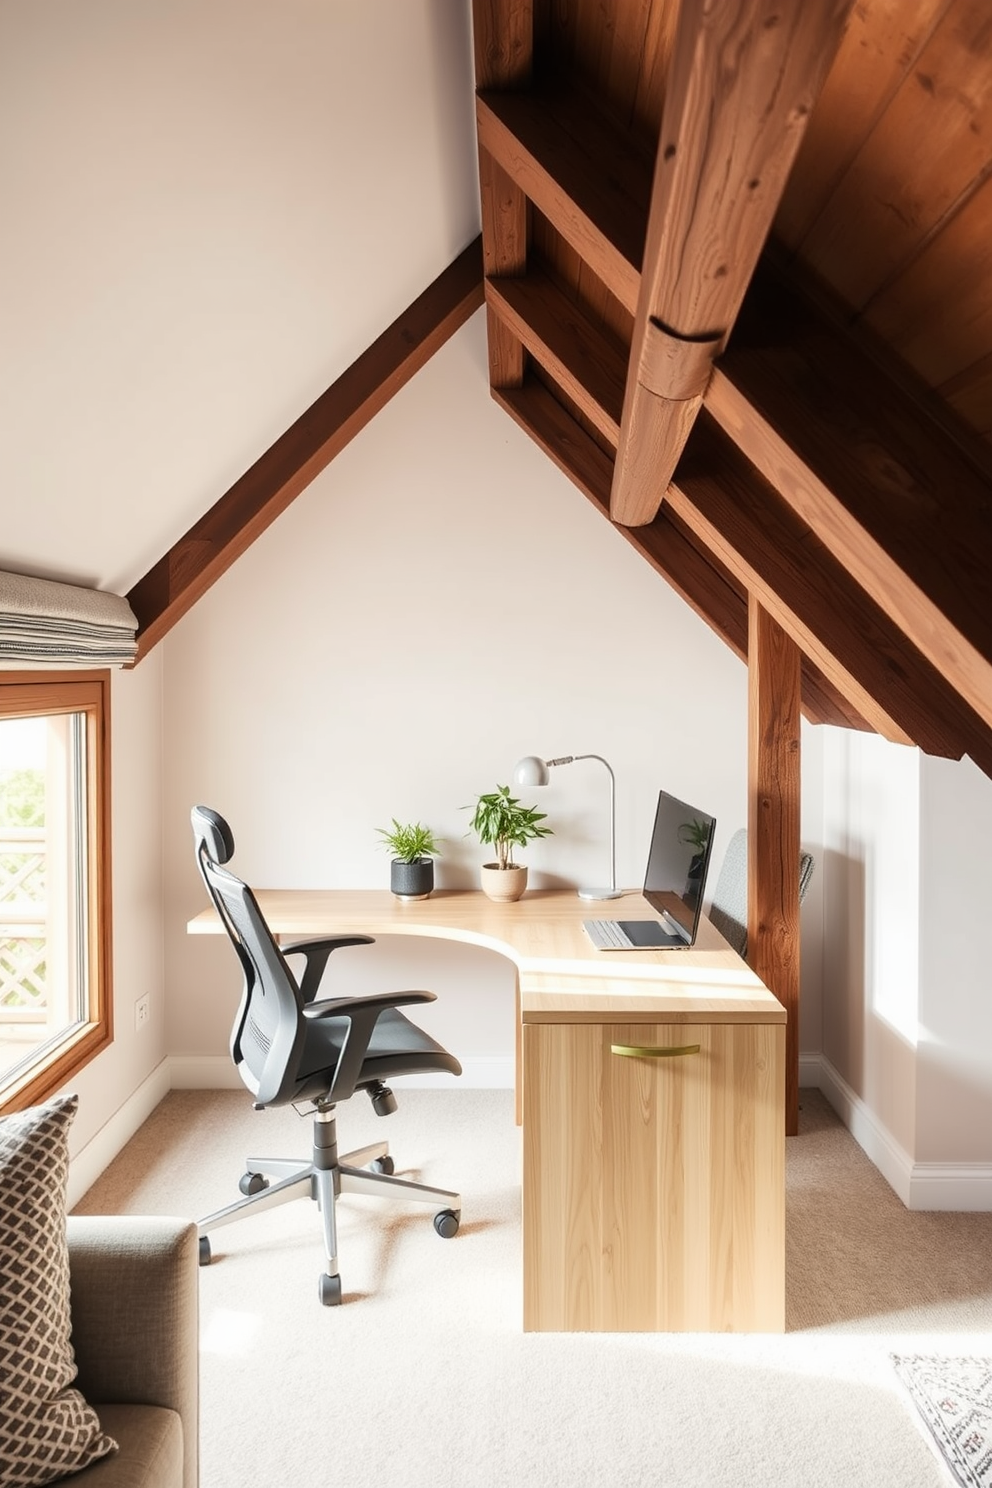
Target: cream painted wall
[(871, 891), (211, 208), (110, 1081), (954, 1081), (907, 1012), (440, 602)]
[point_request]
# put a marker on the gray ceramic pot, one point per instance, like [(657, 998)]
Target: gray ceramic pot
[(411, 880)]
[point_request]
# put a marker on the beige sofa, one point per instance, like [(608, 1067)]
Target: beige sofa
[(135, 1333)]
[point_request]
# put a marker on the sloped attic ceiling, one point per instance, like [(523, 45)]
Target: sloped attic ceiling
[(211, 208), (740, 288), (824, 420)]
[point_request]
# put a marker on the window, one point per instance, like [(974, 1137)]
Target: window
[(55, 1000)]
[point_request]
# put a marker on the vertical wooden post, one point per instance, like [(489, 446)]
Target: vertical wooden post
[(774, 827), (504, 49)]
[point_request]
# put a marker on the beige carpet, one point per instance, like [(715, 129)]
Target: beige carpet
[(423, 1379)]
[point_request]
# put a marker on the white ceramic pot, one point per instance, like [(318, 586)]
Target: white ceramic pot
[(503, 884)]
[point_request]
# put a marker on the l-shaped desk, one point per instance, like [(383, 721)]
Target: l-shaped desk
[(651, 1089)]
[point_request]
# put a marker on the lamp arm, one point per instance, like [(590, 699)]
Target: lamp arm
[(569, 759)]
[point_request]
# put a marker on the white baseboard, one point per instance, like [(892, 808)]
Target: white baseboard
[(218, 1073), (89, 1162), (920, 1185)]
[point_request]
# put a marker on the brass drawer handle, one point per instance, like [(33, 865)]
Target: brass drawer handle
[(647, 1051)]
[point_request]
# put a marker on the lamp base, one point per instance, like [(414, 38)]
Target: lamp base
[(599, 893)]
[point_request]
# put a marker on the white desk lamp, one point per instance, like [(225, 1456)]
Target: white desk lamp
[(532, 770)]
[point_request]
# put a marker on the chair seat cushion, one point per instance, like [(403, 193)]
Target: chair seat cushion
[(150, 1450), (397, 1047)]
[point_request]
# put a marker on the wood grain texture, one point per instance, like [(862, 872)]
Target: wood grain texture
[(940, 333), (232, 524), (503, 38), (871, 476), (778, 559), (720, 171), (587, 362), (879, 48), (504, 251), (580, 171), (653, 1189), (773, 828), (881, 216)]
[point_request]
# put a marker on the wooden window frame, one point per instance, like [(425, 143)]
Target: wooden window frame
[(24, 694)]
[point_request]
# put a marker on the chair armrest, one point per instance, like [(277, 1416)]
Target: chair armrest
[(343, 1007), (135, 1325), (316, 952)]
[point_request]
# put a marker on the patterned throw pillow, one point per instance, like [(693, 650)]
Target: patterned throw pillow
[(46, 1427)]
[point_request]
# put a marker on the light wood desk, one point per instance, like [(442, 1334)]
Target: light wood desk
[(653, 1184)]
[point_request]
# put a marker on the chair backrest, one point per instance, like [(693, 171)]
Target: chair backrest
[(729, 908), (269, 1030)]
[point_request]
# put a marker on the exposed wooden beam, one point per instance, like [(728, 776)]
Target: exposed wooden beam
[(587, 363), (741, 86), (233, 523), (898, 502), (777, 557), (503, 34), (581, 172), (668, 544), (773, 816)]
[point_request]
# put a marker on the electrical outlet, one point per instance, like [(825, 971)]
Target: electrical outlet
[(142, 1011)]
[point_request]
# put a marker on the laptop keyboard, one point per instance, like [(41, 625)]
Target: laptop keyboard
[(607, 935)]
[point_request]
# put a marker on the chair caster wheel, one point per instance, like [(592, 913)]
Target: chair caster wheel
[(204, 1250), (329, 1290), (383, 1164), (252, 1183), (446, 1223)]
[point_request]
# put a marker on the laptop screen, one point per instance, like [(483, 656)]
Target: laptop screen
[(678, 861)]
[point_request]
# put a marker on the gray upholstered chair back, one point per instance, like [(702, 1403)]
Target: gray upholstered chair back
[(729, 908)]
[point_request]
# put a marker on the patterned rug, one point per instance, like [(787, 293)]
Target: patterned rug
[(954, 1397)]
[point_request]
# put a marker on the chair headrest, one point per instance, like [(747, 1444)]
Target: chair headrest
[(212, 833)]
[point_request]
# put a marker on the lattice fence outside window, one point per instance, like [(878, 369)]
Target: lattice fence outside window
[(24, 931)]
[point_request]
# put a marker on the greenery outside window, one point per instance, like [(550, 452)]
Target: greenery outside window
[(55, 942)]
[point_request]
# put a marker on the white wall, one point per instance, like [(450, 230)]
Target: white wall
[(121, 1086), (907, 1015), (210, 208), (440, 602), (954, 1080)]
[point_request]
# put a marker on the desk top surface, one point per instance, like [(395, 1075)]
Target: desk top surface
[(542, 933)]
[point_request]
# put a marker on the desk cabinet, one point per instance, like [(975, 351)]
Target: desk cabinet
[(653, 1186)]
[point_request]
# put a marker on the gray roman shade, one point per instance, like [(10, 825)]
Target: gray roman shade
[(45, 624)]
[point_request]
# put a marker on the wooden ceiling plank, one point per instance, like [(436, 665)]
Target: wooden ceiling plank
[(812, 596), (939, 332), (881, 215), (587, 364), (232, 524), (880, 46), (897, 502), (743, 82), (773, 828)]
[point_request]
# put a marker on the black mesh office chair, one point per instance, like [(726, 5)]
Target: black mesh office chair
[(292, 1049)]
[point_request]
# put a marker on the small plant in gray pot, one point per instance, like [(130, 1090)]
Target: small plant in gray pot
[(414, 848)]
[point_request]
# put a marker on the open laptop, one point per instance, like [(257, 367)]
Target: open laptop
[(674, 881)]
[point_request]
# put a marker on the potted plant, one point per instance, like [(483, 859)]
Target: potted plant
[(414, 848), (500, 821)]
